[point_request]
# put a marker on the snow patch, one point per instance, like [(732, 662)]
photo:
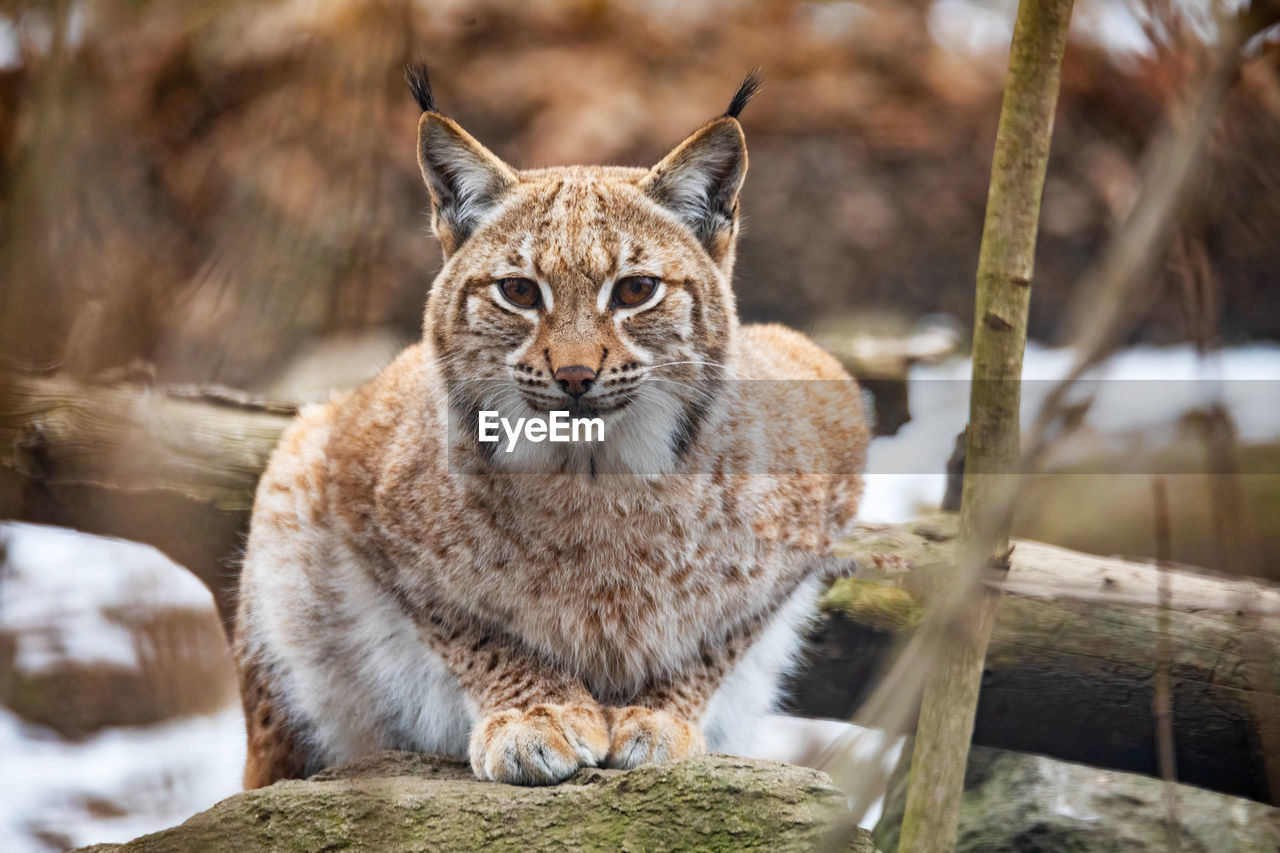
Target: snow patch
[(1139, 390), (799, 740), (57, 588), (116, 785)]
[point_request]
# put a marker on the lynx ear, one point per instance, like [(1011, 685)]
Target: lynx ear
[(699, 182), (467, 182)]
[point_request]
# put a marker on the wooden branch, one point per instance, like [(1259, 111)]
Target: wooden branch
[(1072, 660), (1071, 667)]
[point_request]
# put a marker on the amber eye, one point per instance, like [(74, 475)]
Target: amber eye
[(520, 291), (634, 290)]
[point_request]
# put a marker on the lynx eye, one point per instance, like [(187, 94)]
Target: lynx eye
[(521, 292), (634, 290)]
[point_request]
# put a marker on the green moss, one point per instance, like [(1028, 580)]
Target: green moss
[(885, 608), (1015, 801)]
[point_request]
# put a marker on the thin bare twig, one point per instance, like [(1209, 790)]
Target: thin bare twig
[(1162, 701)]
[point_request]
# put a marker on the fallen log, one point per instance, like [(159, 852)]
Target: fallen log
[(1071, 667), (1069, 673), (173, 469)]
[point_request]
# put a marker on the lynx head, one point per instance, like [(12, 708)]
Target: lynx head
[(603, 291)]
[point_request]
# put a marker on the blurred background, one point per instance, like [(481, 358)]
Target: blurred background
[(224, 193)]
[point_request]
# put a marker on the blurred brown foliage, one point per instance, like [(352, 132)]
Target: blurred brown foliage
[(208, 185)]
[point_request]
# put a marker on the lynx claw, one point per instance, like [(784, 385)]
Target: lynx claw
[(641, 735), (542, 745)]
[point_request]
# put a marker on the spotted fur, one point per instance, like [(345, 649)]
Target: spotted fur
[(565, 605)]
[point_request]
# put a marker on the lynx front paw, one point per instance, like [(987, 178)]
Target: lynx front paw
[(640, 735), (540, 746)]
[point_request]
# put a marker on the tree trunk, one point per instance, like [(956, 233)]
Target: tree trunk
[(1005, 263)]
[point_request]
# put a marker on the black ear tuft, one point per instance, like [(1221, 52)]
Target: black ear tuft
[(415, 74), (750, 86)]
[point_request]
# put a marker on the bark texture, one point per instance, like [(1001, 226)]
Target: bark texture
[(175, 469), (1070, 671)]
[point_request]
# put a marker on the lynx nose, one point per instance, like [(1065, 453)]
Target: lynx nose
[(576, 380)]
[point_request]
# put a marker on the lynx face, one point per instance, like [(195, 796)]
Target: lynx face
[(601, 291)]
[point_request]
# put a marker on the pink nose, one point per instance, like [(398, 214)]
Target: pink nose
[(576, 380)]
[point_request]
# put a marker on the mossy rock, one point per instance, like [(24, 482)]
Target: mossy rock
[(404, 801), (1016, 802)]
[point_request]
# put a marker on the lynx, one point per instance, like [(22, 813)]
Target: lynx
[(634, 599)]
